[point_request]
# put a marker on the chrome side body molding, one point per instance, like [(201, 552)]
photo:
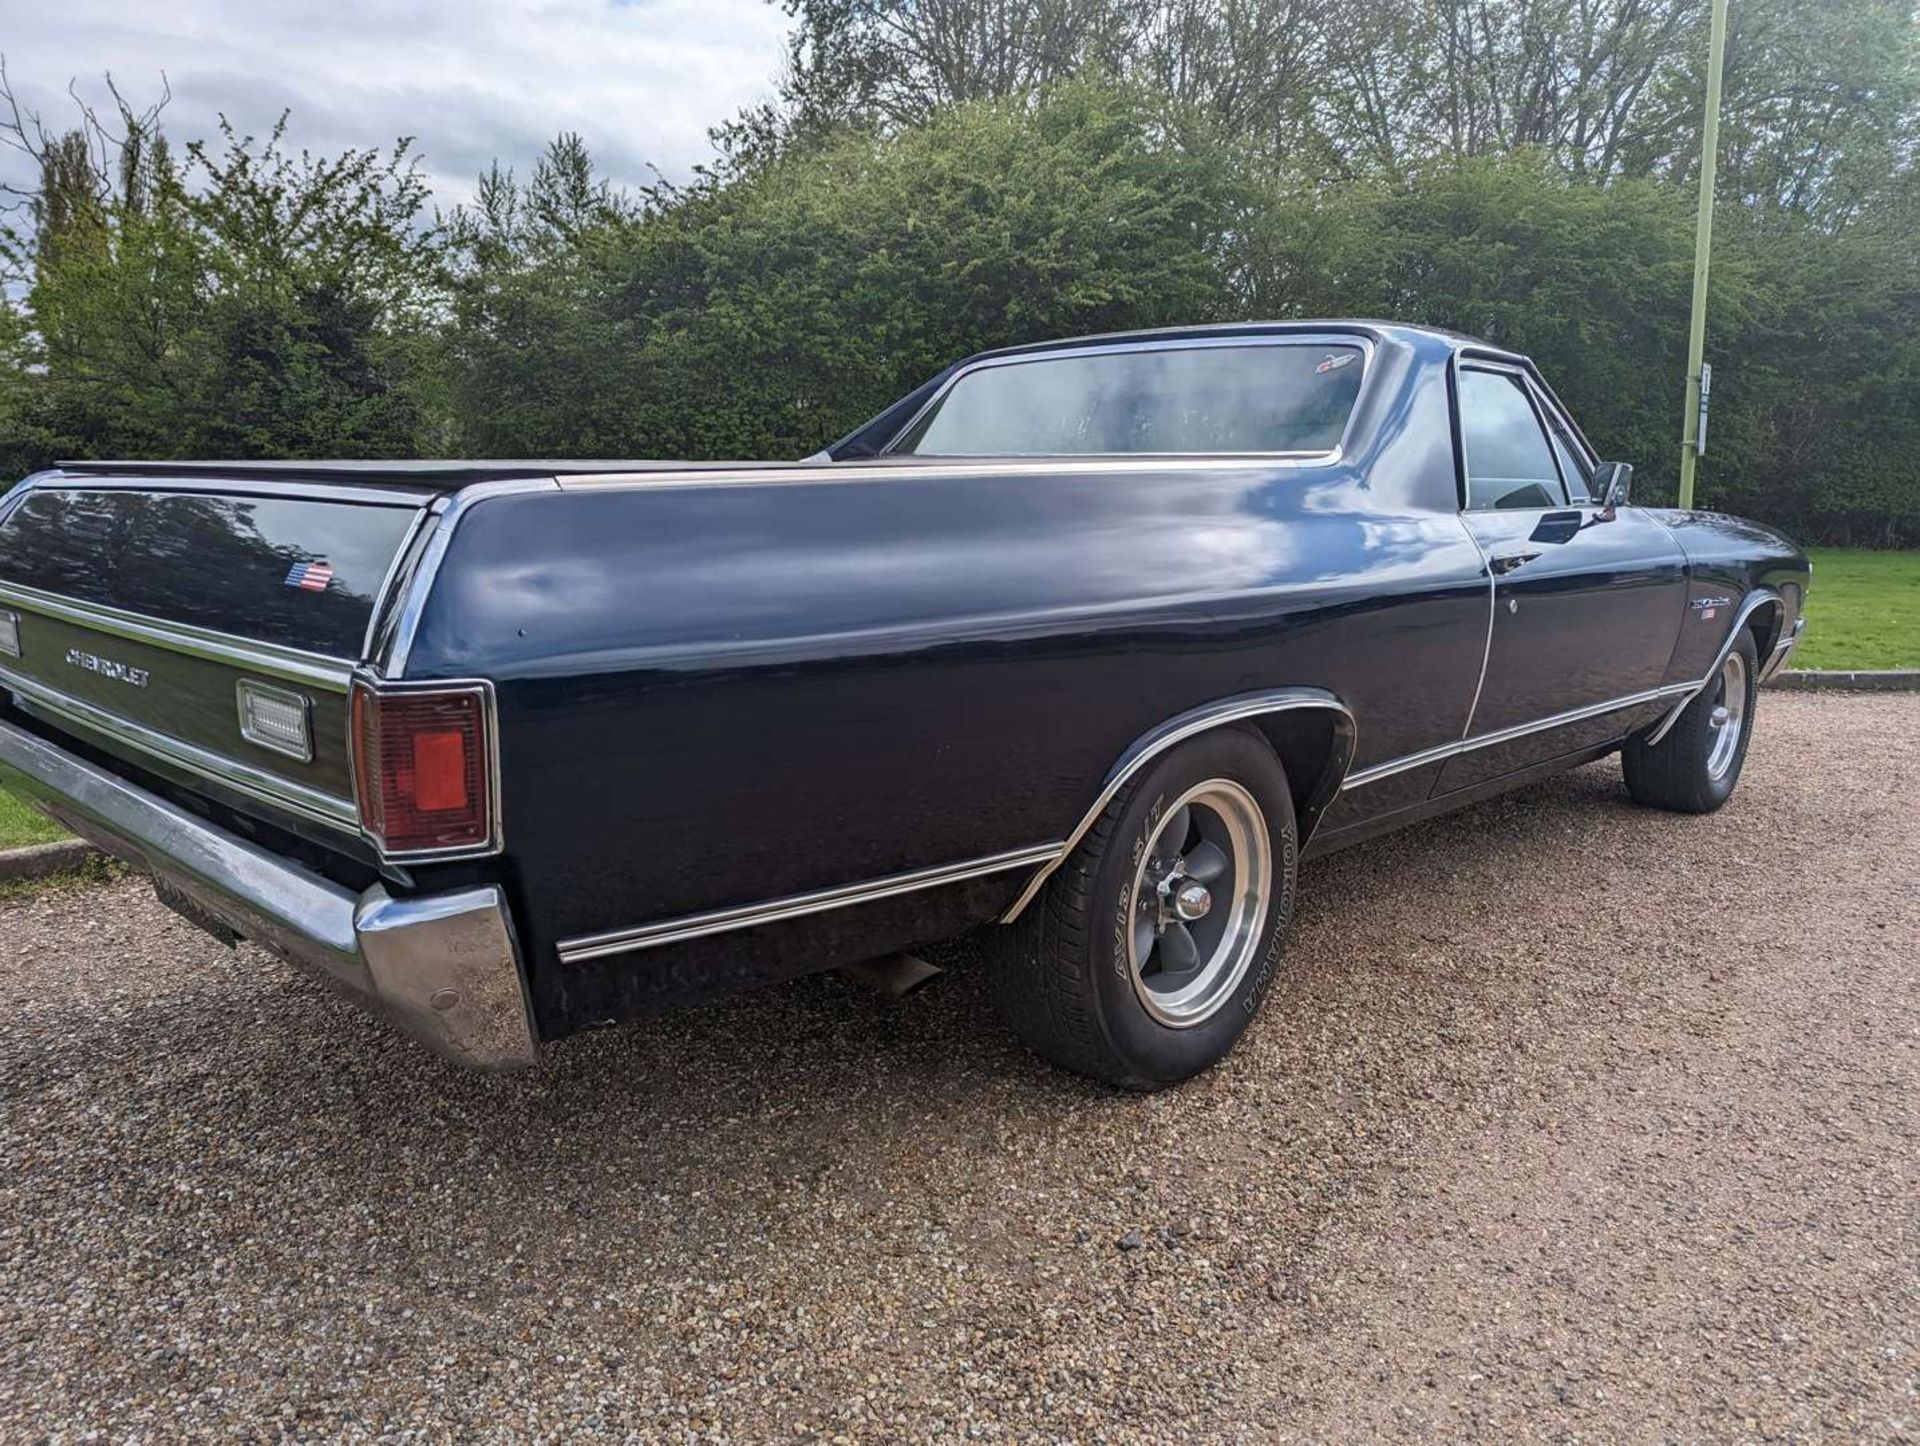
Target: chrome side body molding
[(723, 921), (1042, 858), (1509, 735)]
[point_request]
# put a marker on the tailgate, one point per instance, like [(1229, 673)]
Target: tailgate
[(142, 606)]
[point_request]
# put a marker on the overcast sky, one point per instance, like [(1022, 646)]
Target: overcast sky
[(471, 79)]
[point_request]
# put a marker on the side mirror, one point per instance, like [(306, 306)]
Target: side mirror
[(1611, 484)]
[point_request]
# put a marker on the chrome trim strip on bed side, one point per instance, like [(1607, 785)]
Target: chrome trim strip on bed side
[(891, 469), (316, 670), (296, 798), (722, 921), (1760, 597), (1177, 730), (1509, 735)]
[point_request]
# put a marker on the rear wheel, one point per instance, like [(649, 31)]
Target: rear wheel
[(1149, 950), (1695, 767)]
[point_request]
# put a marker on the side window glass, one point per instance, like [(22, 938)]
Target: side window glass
[(1571, 472), (1509, 461)]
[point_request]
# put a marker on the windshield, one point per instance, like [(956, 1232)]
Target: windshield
[(1293, 397)]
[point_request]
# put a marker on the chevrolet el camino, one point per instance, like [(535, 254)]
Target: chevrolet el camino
[(1082, 645)]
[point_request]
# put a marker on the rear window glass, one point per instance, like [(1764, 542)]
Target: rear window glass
[(1288, 398)]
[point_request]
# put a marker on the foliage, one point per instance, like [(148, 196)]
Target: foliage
[(766, 314), (941, 176), (244, 302)]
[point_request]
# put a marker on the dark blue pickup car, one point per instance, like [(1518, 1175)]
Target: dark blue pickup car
[(1084, 645)]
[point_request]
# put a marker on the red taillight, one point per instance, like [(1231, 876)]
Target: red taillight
[(422, 768)]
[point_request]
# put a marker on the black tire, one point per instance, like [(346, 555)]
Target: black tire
[(1684, 772), (1062, 973)]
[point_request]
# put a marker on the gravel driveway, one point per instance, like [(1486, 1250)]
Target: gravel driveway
[(1569, 1120)]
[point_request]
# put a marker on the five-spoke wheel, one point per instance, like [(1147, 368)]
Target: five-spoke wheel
[(1199, 896)]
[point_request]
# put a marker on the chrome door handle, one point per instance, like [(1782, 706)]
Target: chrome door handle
[(1502, 563)]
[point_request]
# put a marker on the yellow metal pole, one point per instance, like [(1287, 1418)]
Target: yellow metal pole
[(1702, 252)]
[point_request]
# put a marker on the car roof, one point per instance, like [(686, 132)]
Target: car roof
[(1363, 326)]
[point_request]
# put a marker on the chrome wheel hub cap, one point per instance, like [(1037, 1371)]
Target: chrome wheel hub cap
[(1198, 906), (1727, 718)]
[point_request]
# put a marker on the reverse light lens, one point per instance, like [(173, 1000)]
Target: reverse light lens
[(10, 634), (276, 720), (422, 769)]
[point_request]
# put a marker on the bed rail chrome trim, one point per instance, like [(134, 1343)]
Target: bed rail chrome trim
[(316, 670), (1760, 597), (419, 585), (795, 906), (1199, 720), (1518, 731)]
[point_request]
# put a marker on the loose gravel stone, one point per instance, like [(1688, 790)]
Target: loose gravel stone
[(1568, 1119)]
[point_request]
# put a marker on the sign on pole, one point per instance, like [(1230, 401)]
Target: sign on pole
[(1706, 393)]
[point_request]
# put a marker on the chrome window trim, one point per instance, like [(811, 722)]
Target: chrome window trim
[(293, 665), (1359, 341), (588, 947), (1364, 776), (242, 778), (1749, 605), (1178, 729), (401, 557), (1467, 361), (490, 708)]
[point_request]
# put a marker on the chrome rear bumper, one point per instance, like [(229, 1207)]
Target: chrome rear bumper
[(444, 967)]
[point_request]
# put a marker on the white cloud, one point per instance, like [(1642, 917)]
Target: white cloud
[(473, 81)]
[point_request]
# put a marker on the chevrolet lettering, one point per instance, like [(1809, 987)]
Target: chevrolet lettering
[(106, 667), (1080, 646)]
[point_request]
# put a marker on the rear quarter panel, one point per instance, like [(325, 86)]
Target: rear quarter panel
[(716, 693)]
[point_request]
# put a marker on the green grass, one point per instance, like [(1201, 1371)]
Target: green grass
[(1863, 610), (20, 825)]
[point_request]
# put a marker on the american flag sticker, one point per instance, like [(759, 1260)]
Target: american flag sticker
[(310, 576)]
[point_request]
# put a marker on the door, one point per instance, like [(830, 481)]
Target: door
[(1587, 603)]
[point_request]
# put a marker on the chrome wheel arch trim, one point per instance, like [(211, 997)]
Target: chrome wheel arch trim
[(1195, 721), (1760, 597)]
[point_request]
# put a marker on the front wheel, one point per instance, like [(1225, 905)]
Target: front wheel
[(1695, 767), (1150, 949)]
